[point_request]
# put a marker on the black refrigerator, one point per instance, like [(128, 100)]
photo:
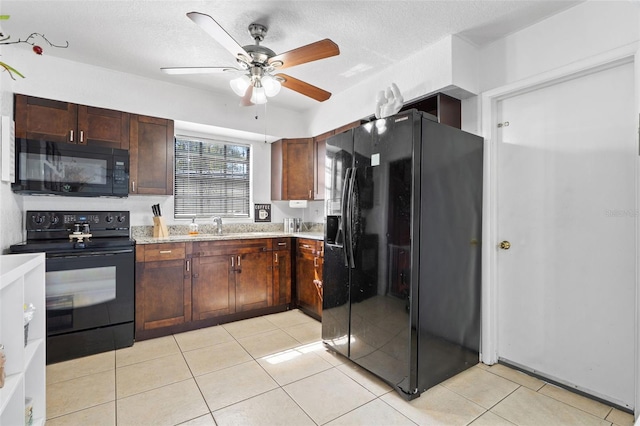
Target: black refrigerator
[(402, 249)]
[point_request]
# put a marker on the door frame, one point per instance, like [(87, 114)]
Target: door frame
[(629, 53)]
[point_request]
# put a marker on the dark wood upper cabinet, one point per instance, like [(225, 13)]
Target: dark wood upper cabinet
[(104, 127), (151, 154), (65, 122), (319, 151), (297, 166), (292, 169), (446, 108)]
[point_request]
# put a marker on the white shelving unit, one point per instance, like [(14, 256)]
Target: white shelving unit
[(22, 282)]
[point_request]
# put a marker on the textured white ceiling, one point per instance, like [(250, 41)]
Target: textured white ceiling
[(140, 37)]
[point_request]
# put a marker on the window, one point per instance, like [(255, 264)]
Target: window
[(212, 178)]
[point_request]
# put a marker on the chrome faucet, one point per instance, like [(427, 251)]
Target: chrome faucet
[(218, 221)]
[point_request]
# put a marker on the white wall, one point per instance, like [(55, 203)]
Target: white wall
[(575, 34), (10, 206), (427, 71)]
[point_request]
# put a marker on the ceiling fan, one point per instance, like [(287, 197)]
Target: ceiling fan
[(257, 64)]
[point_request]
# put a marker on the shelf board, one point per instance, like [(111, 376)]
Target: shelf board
[(13, 267), (10, 385), (30, 350)]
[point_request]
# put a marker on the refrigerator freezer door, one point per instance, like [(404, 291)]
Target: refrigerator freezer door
[(335, 304), (335, 300)]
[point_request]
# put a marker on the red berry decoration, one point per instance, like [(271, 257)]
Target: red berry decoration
[(37, 50)]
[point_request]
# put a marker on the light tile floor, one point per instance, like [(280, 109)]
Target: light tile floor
[(273, 370)]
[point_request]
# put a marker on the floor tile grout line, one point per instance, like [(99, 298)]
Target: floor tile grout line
[(555, 399), (513, 381), (578, 408), (393, 408), (115, 386), (569, 405), (81, 376), (193, 377)]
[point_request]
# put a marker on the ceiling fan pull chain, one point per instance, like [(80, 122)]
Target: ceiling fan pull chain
[(265, 123)]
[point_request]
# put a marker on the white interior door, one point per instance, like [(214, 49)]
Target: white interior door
[(567, 204)]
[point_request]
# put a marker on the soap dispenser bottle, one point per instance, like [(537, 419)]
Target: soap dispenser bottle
[(193, 227)]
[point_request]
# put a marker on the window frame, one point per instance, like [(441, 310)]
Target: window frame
[(197, 210)]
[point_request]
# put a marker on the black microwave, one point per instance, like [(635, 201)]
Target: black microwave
[(56, 168)]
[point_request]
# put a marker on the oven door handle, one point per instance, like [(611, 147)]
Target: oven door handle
[(88, 254)]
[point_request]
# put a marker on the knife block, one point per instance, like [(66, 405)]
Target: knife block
[(159, 227)]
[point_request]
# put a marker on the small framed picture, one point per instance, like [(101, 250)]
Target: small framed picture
[(262, 212)]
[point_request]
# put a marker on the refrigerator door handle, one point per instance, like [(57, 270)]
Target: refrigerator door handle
[(350, 200), (344, 225)]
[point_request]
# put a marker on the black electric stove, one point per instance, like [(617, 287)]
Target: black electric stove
[(89, 279)]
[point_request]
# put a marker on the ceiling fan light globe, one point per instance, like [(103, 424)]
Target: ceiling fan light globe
[(271, 85), (239, 85), (258, 96)]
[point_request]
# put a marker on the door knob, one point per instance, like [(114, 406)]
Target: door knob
[(505, 245)]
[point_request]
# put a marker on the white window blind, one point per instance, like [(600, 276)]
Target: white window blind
[(212, 178)]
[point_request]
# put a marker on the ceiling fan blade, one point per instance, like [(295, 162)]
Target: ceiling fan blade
[(311, 52), (197, 70), (214, 29), (303, 88), (246, 99)]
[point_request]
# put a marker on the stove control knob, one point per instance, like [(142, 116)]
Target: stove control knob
[(54, 220), (38, 219), (109, 219), (121, 218)]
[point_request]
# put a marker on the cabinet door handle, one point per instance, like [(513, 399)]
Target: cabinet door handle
[(238, 261), (232, 260), (282, 244), (81, 136), (133, 186), (306, 246), (165, 251), (188, 265), (315, 262), (276, 261), (309, 194), (70, 135)]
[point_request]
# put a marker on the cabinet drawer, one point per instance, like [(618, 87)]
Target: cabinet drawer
[(168, 251), (233, 247), (281, 243), (310, 247)]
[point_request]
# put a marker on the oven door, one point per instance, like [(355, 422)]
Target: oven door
[(88, 290)]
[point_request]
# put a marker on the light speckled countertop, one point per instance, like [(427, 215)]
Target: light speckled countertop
[(229, 236)]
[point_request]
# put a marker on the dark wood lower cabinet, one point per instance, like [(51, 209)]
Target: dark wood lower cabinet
[(185, 286), (253, 279), (282, 271), (309, 261), (163, 291), (214, 292)]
